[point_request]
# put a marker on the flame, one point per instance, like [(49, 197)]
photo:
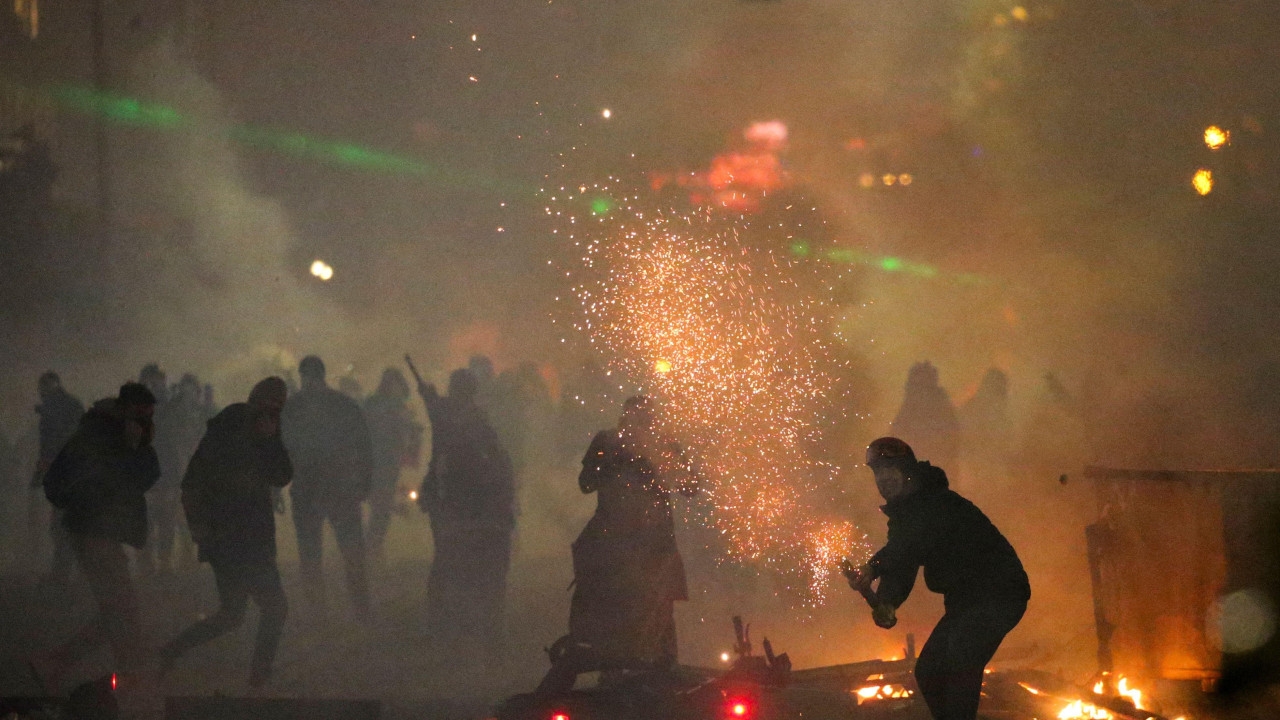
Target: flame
[(883, 692), (1133, 694), (1081, 710)]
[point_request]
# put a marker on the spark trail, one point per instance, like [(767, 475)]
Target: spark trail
[(732, 341)]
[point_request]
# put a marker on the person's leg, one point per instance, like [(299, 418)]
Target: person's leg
[(349, 531), (233, 597), (106, 567), (264, 586), (972, 640), (63, 556), (382, 499), (166, 508), (930, 671), (308, 521), (493, 560)]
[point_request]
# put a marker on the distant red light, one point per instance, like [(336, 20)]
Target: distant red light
[(560, 716), (113, 682), (739, 709)]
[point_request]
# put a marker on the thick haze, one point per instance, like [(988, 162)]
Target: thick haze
[(1050, 150)]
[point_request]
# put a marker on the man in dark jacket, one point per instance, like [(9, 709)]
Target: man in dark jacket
[(965, 559), (469, 494), (227, 496), (99, 480), (59, 413), (328, 442)]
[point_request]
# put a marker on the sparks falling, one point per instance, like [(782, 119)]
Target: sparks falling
[(733, 346)]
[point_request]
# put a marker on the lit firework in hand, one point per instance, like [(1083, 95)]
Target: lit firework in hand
[(732, 343)]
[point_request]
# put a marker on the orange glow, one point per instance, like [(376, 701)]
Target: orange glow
[(1202, 181), (772, 134), (662, 367), (1081, 710), (1215, 137)]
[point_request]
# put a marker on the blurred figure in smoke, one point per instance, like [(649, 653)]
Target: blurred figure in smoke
[(927, 419), (328, 442), (965, 559), (627, 570), (27, 175), (188, 414), (59, 413), (100, 480), (469, 494), (396, 442), (349, 386), (227, 495), (986, 428), (164, 498), (481, 368), (521, 411)]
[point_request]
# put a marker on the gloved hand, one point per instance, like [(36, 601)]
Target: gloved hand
[(884, 615)]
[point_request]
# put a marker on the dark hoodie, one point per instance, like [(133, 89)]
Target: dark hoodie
[(59, 413), (100, 481), (226, 491), (965, 557)]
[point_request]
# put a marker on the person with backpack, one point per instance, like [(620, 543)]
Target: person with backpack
[(99, 480), (469, 496), (227, 497)]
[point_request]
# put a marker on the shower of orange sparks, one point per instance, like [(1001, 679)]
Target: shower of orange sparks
[(664, 290)]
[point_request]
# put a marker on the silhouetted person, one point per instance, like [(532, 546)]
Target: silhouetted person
[(521, 412), (227, 495), (627, 570), (927, 418), (189, 415), (469, 494), (59, 413), (27, 175), (165, 497), (987, 430), (396, 443), (329, 445), (965, 559), (349, 386), (100, 480)]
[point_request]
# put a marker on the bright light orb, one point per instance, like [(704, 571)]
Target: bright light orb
[(1215, 137), (322, 270), (606, 113), (1202, 181)]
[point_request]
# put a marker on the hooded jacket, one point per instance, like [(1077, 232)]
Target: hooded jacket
[(965, 558), (100, 481), (226, 491)]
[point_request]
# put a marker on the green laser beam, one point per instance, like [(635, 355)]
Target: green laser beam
[(132, 112), (888, 263)]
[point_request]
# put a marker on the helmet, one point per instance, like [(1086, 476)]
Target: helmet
[(889, 450)]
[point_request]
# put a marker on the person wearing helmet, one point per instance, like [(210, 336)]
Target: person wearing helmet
[(965, 559)]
